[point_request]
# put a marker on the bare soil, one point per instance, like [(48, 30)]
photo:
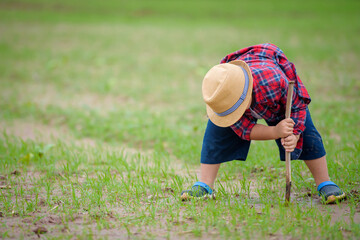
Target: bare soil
[(45, 221)]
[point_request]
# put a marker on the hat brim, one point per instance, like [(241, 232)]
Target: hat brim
[(233, 117)]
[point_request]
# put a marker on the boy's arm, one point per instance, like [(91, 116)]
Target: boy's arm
[(283, 129), (248, 130)]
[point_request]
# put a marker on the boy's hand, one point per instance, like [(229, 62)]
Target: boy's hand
[(290, 142), (284, 128)]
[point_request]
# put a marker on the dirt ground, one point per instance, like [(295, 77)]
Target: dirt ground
[(45, 221), (52, 224)]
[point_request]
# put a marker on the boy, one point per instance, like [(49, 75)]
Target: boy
[(251, 84)]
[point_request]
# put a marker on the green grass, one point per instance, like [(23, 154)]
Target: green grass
[(102, 118)]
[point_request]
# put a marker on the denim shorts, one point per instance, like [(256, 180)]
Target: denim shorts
[(223, 144)]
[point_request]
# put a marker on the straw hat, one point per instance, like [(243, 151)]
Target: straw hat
[(227, 90)]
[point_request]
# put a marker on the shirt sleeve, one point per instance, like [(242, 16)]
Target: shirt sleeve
[(301, 97), (244, 126), (299, 118)]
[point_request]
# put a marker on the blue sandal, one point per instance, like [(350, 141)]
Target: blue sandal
[(199, 190), (330, 192)]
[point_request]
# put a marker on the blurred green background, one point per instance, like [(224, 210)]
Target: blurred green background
[(128, 65)]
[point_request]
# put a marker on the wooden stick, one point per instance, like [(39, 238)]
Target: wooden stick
[(288, 154)]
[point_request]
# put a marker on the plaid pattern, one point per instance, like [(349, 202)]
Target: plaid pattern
[(271, 72)]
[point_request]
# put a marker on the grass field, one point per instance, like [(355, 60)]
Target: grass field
[(102, 119)]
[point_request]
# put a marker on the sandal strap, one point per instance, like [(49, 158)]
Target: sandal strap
[(326, 183), (204, 185)]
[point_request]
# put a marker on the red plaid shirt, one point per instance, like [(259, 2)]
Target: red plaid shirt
[(271, 72)]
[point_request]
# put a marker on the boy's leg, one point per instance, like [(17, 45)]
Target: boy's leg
[(319, 170), (314, 156), (327, 189), (219, 145), (208, 173), (204, 188)]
